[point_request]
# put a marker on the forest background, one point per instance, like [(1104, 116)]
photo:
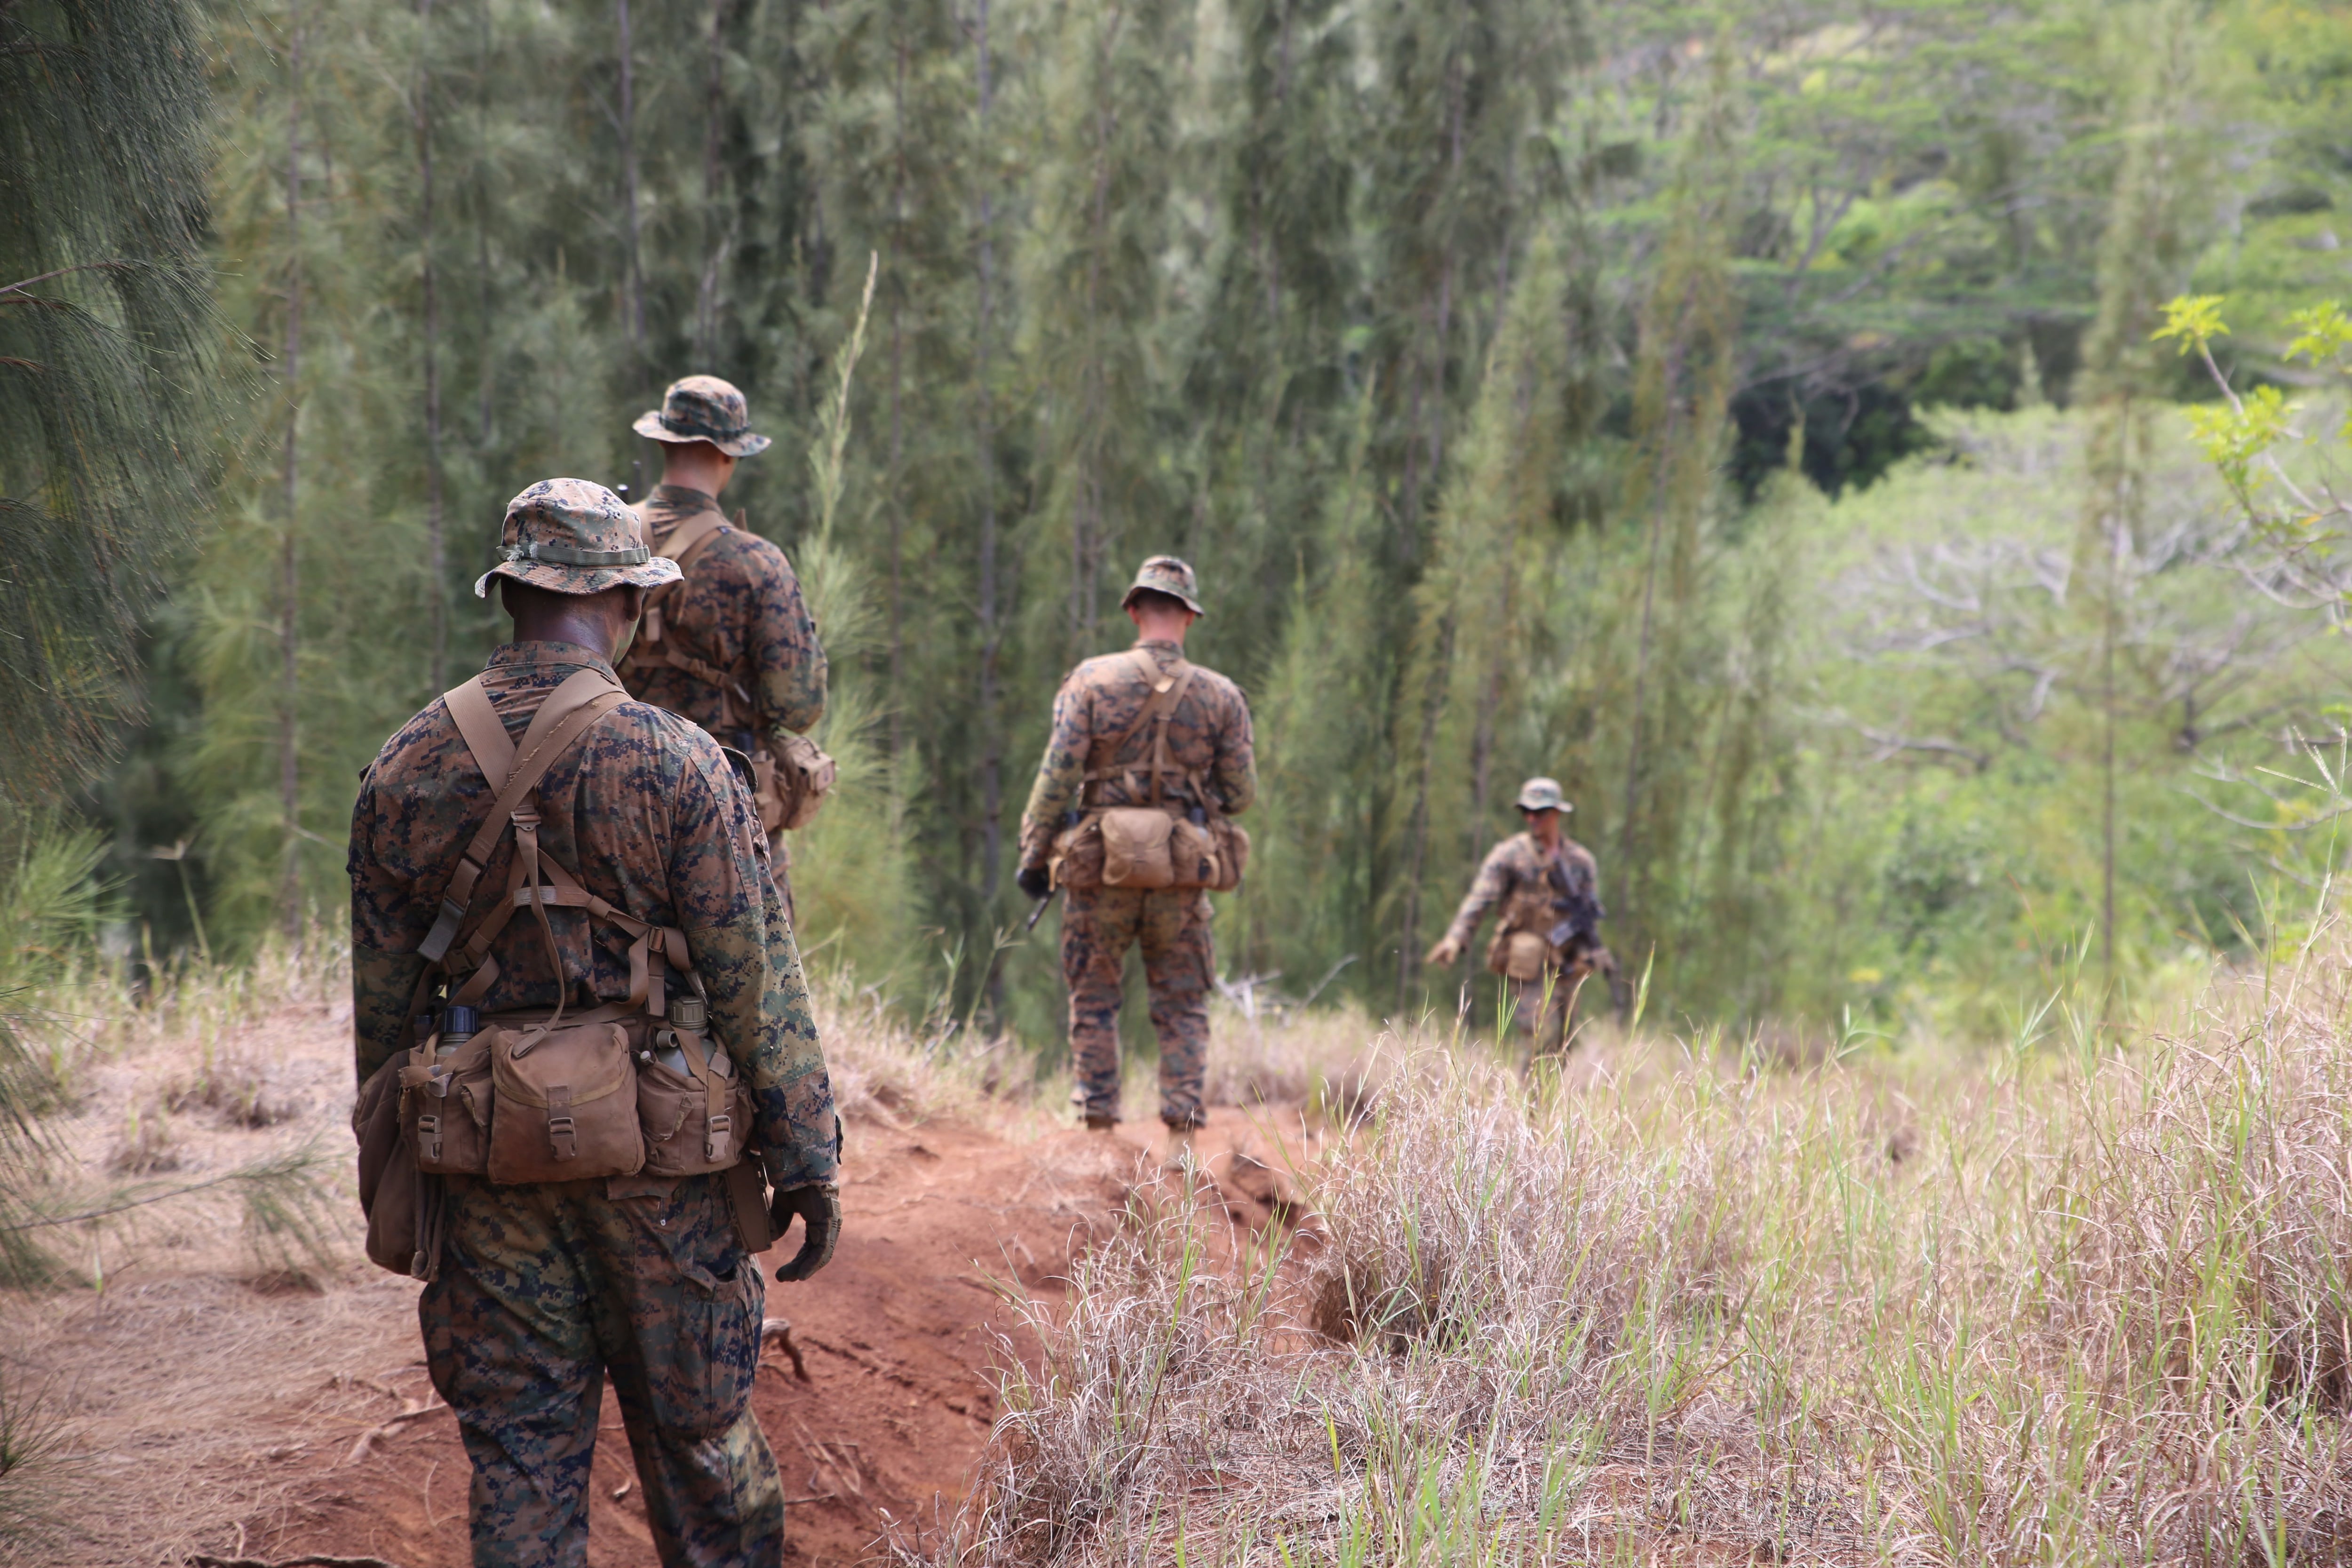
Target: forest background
[(1743, 411)]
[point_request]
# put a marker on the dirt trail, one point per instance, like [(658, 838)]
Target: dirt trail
[(211, 1410)]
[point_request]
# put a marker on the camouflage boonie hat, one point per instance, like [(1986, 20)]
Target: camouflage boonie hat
[(703, 408), (1542, 795), (575, 537), (1166, 575)]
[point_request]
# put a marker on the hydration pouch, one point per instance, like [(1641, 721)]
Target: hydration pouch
[(1232, 853), (1192, 854), (1077, 857)]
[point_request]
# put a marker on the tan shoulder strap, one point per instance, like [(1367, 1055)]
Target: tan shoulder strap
[(688, 537), (571, 710), (1165, 689)]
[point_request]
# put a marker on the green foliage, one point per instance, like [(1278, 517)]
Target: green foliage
[(1495, 363), (105, 327)]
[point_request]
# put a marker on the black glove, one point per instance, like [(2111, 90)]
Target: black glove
[(1033, 881), (819, 1208)]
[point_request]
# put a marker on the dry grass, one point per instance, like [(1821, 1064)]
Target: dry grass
[(2053, 1304)]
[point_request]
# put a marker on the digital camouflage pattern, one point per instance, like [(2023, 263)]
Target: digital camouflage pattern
[(1165, 574), (1209, 738), (704, 408), (740, 611), (1516, 877), (646, 812), (543, 1289), (1172, 925), (573, 537), (1208, 735)]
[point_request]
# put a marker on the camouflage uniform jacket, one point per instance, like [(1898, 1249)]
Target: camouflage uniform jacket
[(1516, 874), (646, 812), (740, 610), (1208, 738)]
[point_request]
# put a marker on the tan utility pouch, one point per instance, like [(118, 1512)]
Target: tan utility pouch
[(1078, 858), (694, 1121), (388, 1184), (1525, 955), (799, 777), (1232, 853), (1135, 848), (445, 1105), (567, 1103), (1192, 854)]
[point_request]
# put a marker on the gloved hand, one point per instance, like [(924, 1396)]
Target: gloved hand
[(818, 1205), (1033, 881), (1442, 955)]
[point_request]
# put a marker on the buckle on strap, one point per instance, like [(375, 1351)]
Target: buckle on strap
[(562, 1137), (437, 941), (716, 1136)]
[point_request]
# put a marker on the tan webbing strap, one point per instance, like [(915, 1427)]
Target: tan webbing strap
[(569, 713), (484, 731), (656, 645), (1165, 689), (1160, 740)]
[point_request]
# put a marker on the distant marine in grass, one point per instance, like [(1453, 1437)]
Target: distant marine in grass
[(1547, 940), (1149, 760)]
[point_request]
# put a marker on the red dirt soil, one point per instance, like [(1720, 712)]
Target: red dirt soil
[(900, 1336)]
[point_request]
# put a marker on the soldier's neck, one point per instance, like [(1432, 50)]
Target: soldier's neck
[(1546, 841)]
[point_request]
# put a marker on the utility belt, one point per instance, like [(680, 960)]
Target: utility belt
[(1164, 842), (636, 1087), (790, 780)]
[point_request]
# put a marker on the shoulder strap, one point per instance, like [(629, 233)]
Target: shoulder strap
[(1165, 689), (688, 537), (571, 710)]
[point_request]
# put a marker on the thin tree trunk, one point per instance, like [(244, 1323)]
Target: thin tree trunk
[(1629, 877), (289, 771), (898, 493), (714, 239), (991, 778), (634, 304), (435, 549), (482, 230)]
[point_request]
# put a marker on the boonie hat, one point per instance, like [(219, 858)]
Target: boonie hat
[(1165, 574), (1542, 795), (703, 408), (575, 537)]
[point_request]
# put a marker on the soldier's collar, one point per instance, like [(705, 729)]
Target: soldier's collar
[(546, 656), (683, 497), (1175, 648)]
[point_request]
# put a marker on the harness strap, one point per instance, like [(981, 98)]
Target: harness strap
[(569, 713), (1161, 706), (655, 644)]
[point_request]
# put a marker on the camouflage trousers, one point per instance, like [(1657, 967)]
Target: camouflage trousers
[(1172, 925), (1539, 1009), (545, 1289)]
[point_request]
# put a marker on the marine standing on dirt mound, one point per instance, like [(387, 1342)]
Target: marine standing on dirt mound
[(569, 957), (732, 646), (1150, 759), (1547, 942)]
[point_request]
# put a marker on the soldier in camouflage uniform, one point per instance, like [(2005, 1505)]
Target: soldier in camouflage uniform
[(1209, 741), (1546, 942), (543, 1290), (732, 646)]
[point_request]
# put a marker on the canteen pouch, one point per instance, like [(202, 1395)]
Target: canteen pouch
[(1135, 848), (800, 778), (1078, 858), (1525, 955), (1232, 853), (692, 1125), (445, 1108), (1193, 855), (388, 1178), (566, 1103), (769, 803)]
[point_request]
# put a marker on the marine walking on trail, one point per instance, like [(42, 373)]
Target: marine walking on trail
[(1546, 938), (1150, 759), (587, 1056), (731, 644)]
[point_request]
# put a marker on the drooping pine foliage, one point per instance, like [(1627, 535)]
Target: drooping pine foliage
[(105, 352), (1534, 386)]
